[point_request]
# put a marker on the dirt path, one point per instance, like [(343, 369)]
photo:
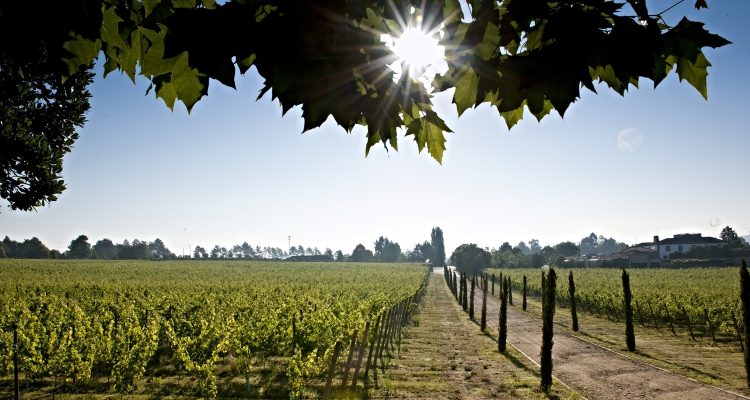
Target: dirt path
[(595, 372), (444, 355)]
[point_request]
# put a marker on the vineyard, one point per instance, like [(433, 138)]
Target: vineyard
[(270, 329), (701, 302)]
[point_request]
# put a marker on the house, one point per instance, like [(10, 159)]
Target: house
[(641, 255), (652, 254), (682, 243)]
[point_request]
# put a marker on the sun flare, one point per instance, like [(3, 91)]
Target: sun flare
[(419, 51)]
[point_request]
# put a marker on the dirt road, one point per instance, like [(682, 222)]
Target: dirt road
[(445, 356), (593, 371)]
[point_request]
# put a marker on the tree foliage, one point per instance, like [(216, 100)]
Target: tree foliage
[(470, 258), (79, 248), (438, 247), (361, 254), (39, 113), (386, 250), (330, 60)]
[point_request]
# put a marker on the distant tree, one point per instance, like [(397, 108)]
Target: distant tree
[(729, 235), (104, 249), (534, 247), (566, 249), (316, 251), (506, 247), (199, 252), (159, 250), (79, 247), (309, 252), (386, 251), (536, 260), (328, 253), (547, 252), (361, 254), (12, 248), (470, 258), (55, 254), (421, 253), (339, 256), (139, 250), (523, 248), (2, 251), (732, 239), (589, 244), (593, 244), (216, 251), (247, 250), (34, 248), (292, 251), (438, 247)]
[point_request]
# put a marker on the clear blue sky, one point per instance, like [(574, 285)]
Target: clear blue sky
[(235, 170)]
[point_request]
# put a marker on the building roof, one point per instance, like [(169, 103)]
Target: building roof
[(690, 238), (648, 250)]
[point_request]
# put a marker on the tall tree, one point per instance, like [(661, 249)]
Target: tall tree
[(216, 251), (438, 247), (470, 258), (34, 248), (247, 250), (566, 249), (104, 249), (200, 252), (340, 255), (732, 239), (361, 254), (79, 247), (387, 251), (159, 250), (422, 252)]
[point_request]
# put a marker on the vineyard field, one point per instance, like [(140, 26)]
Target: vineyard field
[(192, 328), (704, 300)]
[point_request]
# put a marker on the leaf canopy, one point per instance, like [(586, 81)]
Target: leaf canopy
[(328, 57)]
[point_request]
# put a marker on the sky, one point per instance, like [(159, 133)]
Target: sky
[(654, 162)]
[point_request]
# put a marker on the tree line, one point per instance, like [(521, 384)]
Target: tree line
[(80, 248)]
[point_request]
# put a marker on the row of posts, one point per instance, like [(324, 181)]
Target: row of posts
[(383, 338)]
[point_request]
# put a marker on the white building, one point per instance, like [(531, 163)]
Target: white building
[(682, 243)]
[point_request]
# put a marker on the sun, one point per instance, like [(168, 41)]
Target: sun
[(419, 51)]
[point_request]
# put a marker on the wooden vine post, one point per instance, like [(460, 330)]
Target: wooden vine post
[(572, 292), (745, 296), (627, 299), (548, 313), (510, 292), (524, 293), (483, 324), (503, 317), (471, 297)]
